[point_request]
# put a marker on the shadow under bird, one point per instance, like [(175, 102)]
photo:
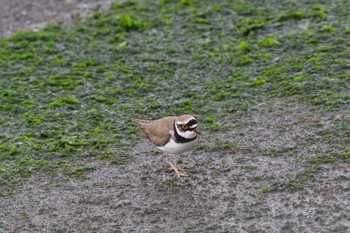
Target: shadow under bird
[(172, 135)]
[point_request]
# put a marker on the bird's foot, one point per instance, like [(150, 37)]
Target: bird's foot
[(176, 168)]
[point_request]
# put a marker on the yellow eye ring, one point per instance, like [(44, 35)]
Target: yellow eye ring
[(184, 126)]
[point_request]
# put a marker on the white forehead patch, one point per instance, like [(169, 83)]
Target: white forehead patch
[(193, 126)]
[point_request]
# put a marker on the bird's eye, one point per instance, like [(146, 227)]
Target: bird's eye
[(184, 126)]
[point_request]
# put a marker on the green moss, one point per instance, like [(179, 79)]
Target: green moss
[(295, 181), (73, 91), (318, 12), (64, 101), (313, 41), (345, 155), (299, 78), (130, 22), (13, 150), (221, 95), (223, 146), (245, 46), (209, 120), (321, 159), (269, 41), (260, 81), (292, 15)]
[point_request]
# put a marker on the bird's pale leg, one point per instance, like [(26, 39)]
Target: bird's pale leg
[(175, 167), (183, 173)]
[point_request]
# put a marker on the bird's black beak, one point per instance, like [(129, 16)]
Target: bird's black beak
[(197, 132)]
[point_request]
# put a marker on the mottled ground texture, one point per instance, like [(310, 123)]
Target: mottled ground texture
[(19, 15), (268, 81)]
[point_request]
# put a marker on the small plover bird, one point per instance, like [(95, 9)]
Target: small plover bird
[(173, 135)]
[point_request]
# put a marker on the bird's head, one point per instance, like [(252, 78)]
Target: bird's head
[(186, 126)]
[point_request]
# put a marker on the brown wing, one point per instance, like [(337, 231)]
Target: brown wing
[(158, 131)]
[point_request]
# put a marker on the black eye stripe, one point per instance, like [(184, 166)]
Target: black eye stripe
[(192, 122)]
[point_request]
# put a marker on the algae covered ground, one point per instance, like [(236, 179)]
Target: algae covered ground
[(267, 80)]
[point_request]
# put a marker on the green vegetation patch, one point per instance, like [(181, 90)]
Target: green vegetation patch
[(68, 93), (294, 182)]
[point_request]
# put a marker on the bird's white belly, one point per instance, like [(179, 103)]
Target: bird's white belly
[(177, 148)]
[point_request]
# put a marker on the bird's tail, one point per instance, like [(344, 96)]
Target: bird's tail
[(141, 123)]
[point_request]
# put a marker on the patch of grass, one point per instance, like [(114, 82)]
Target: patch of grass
[(120, 158), (245, 46), (292, 15), (221, 95), (294, 182), (79, 172), (269, 41), (130, 22), (216, 228), (69, 93), (64, 101), (13, 150), (281, 151), (223, 146)]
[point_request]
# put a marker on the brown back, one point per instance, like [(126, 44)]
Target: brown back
[(158, 131)]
